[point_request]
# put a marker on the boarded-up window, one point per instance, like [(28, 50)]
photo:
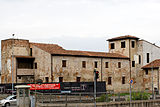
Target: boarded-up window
[(133, 63), (123, 44), (119, 64), (106, 65), (78, 79), (123, 80), (146, 71), (60, 79), (112, 46), (96, 64), (64, 63), (139, 59), (147, 57), (109, 80), (133, 44), (84, 64)]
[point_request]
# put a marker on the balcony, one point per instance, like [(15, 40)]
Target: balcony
[(26, 71)]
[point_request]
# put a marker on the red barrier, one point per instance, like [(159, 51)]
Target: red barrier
[(55, 86)]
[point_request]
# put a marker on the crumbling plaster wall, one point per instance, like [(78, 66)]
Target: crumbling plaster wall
[(147, 79), (43, 60), (20, 47), (74, 69)]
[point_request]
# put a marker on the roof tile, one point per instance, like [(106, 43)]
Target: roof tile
[(57, 50), (153, 64)]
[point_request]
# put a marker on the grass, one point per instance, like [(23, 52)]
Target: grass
[(135, 96)]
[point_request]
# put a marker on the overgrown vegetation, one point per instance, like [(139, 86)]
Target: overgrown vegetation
[(135, 96), (102, 98), (140, 96)]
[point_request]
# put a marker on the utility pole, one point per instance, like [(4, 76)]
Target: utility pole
[(130, 71), (152, 76), (95, 80), (12, 63)]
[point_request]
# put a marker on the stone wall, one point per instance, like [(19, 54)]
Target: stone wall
[(74, 69), (21, 47), (43, 60), (147, 79)]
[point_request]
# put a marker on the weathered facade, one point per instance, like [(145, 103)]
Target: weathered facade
[(151, 76), (52, 63), (140, 53), (27, 62)]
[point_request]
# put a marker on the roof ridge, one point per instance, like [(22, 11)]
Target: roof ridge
[(123, 37), (43, 43)]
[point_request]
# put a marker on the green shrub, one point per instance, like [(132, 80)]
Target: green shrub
[(140, 96), (102, 98)]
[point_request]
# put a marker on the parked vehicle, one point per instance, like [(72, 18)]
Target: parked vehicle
[(10, 100)]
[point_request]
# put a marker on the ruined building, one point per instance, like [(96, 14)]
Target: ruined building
[(125, 60)]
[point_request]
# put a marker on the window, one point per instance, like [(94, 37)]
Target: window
[(19, 77), (146, 71), (112, 46), (139, 59), (30, 51), (47, 79), (64, 63), (60, 79), (106, 65), (78, 79), (96, 64), (133, 44), (109, 80), (123, 80), (83, 64), (14, 97), (133, 63), (119, 64), (147, 57), (35, 65), (123, 45)]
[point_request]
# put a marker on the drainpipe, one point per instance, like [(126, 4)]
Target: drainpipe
[(51, 69)]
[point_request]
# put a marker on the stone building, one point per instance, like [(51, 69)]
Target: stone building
[(52, 63), (140, 53), (151, 75)]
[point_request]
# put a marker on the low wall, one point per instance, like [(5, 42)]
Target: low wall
[(141, 103)]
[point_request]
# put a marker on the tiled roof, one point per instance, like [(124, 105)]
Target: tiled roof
[(153, 64), (123, 37), (91, 54), (57, 50), (50, 48)]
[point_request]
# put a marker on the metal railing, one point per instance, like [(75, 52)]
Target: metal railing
[(89, 97)]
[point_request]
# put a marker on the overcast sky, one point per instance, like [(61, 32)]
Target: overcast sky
[(79, 24)]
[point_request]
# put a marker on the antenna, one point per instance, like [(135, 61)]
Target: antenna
[(13, 35)]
